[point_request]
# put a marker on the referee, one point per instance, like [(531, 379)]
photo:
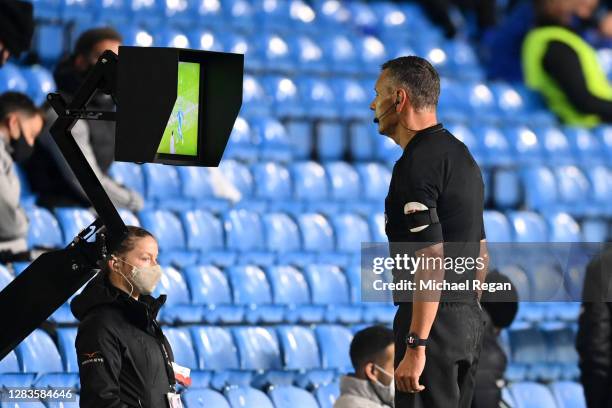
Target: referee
[(434, 208)]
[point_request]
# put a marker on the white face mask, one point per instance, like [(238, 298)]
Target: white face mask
[(386, 393), (144, 278)]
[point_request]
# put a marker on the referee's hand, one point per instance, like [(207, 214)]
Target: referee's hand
[(410, 369)]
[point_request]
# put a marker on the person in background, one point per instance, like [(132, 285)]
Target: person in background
[(501, 308), (564, 68), (20, 123), (440, 13), (371, 385), (48, 172), (16, 28), (594, 337)]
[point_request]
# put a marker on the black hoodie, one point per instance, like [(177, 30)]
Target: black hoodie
[(120, 348)]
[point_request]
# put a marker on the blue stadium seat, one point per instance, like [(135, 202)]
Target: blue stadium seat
[(341, 53), (506, 188), (375, 179), (201, 185), (309, 182), (286, 98), (209, 286), (561, 341), (9, 363), (246, 397), (245, 235), (277, 54), (343, 182), (480, 98), (528, 227), (204, 398), (385, 149), (239, 44), (309, 54), (255, 101), (540, 188), (44, 230), (594, 230), (525, 144), (497, 228), (495, 146), (289, 288), (239, 176), (329, 286), (301, 136), (205, 39), (361, 143), (258, 348), (532, 395), (272, 15), (557, 149), (252, 290), (272, 139), (316, 233), (465, 135), (519, 279), (47, 9), (568, 394), (40, 83), (49, 42), (171, 37), (273, 184), (240, 144), (37, 354), (528, 347), (182, 346), (363, 16), (377, 227), (574, 190), (136, 36), (17, 380), (149, 13), (318, 97), (463, 60), (178, 308), (128, 217), (282, 234), (353, 99), (604, 133), (300, 350), (290, 396), (66, 345), (164, 187), (58, 380), (334, 343), (128, 174), (600, 178), (350, 231), (373, 53), (586, 147), (112, 9), (327, 394), (509, 101), (168, 230), (330, 140), (215, 348), (563, 228), (204, 233), (547, 282), (73, 221)]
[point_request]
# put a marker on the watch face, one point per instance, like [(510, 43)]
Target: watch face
[(411, 340)]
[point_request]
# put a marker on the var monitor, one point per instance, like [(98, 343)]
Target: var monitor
[(176, 106)]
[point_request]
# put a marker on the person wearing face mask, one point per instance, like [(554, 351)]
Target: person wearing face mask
[(20, 124), (16, 28), (123, 356), (371, 385), (48, 172)]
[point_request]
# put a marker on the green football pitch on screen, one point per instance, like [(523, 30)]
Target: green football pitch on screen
[(181, 133)]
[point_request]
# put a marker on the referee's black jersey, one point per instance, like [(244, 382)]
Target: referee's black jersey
[(438, 171)]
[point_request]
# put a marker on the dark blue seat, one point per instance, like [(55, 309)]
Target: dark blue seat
[(150, 13), (373, 53), (40, 82), (290, 396), (172, 37), (244, 397), (38, 354), (286, 98), (277, 54), (73, 221), (209, 287), (506, 188), (318, 97), (331, 140), (44, 230), (258, 348), (361, 142), (255, 101), (309, 54), (289, 288), (301, 136), (329, 286), (58, 380), (49, 43), (204, 398), (252, 290), (253, 60), (531, 395), (334, 343), (134, 35)]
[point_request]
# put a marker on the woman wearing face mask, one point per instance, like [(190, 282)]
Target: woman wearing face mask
[(372, 384), (124, 358)]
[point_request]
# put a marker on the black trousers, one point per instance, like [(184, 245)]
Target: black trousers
[(451, 355)]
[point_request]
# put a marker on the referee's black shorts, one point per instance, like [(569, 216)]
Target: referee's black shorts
[(451, 354)]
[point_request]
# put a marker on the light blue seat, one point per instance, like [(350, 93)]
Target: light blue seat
[(594, 230), (531, 395), (344, 182), (373, 53), (258, 348), (495, 146), (205, 39), (361, 144), (9, 363), (318, 97), (310, 185), (309, 54), (40, 83), (172, 37), (128, 217), (283, 238), (58, 380), (568, 394), (246, 397), (329, 286), (334, 343), (377, 227), (178, 308), (215, 348), (601, 187), (375, 179), (290, 396), (465, 135), (272, 15), (44, 231), (198, 184), (327, 394), (557, 149), (255, 101), (244, 235), (240, 144), (480, 98), (586, 147), (317, 234), (182, 346), (363, 16), (506, 188), (540, 186), (164, 187), (252, 290), (168, 230), (574, 190), (341, 53), (66, 345), (528, 227), (17, 380), (134, 35), (301, 136), (463, 60), (273, 184), (287, 101), (73, 221), (271, 137), (239, 175), (277, 54), (204, 398), (548, 283), (497, 228), (563, 228), (38, 354), (300, 350), (209, 287), (253, 60), (351, 231), (330, 140), (128, 174), (204, 233), (526, 145), (289, 288), (604, 133)]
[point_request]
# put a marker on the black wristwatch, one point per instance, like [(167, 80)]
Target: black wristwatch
[(413, 341)]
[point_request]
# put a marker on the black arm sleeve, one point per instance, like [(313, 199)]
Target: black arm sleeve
[(563, 65)]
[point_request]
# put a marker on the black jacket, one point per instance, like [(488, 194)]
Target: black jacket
[(594, 339), (119, 348)]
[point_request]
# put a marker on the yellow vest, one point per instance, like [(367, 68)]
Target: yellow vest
[(534, 48)]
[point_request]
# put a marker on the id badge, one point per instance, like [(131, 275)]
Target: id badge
[(174, 400)]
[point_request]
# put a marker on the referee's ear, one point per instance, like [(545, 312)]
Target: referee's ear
[(368, 371)]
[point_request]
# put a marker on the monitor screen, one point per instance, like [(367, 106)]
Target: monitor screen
[(181, 133)]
